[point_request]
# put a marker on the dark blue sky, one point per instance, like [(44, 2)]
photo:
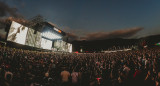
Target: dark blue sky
[(82, 16)]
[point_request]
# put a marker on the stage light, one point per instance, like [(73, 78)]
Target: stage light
[(51, 35)]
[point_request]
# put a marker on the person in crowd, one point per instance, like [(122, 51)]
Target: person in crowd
[(65, 75), (74, 76)]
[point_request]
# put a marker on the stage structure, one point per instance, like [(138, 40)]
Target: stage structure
[(49, 37)]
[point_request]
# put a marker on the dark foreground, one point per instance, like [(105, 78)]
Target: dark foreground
[(31, 68)]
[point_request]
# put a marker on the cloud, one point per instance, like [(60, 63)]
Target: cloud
[(19, 20), (8, 13), (123, 33), (6, 10), (72, 36), (77, 31)]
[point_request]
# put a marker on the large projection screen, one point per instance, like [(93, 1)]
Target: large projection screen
[(46, 44), (38, 40), (69, 47), (33, 39), (17, 33), (30, 40), (58, 45), (61, 45)]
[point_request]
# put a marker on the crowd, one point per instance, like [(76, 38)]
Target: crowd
[(33, 68)]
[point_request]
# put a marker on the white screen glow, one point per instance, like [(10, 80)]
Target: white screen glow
[(17, 33)]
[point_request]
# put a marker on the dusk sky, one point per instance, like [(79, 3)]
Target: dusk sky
[(83, 17)]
